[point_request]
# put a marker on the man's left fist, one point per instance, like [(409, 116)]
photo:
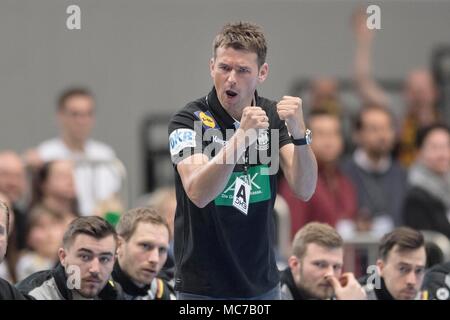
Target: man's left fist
[(290, 110)]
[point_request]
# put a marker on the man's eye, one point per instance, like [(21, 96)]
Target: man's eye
[(320, 264), (105, 259), (85, 257)]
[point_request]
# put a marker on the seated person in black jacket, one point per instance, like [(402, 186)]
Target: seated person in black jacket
[(315, 267), (144, 238), (400, 267), (427, 203), (7, 291), (87, 259), (437, 282)]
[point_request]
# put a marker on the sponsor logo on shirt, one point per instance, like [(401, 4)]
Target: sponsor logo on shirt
[(207, 119), (260, 187), (180, 139)]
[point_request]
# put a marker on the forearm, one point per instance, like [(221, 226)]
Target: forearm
[(302, 176), (204, 183), (369, 90)]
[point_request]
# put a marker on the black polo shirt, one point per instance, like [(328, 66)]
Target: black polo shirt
[(220, 251)]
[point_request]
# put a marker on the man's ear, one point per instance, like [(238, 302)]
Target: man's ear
[(120, 244), (62, 256), (211, 67), (293, 262), (263, 72), (380, 266)]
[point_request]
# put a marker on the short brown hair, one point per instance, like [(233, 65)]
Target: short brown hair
[(405, 238), (130, 220), (242, 36), (92, 226), (318, 233), (5, 209), (72, 92), (359, 123)]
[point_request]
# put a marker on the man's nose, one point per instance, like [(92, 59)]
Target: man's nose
[(232, 77), (411, 278), (95, 266), (153, 256)]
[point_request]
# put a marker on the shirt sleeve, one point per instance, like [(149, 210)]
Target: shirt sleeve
[(185, 136)]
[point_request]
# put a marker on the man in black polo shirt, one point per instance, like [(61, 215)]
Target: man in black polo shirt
[(226, 148)]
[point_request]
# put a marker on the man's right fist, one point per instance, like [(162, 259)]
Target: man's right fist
[(253, 119)]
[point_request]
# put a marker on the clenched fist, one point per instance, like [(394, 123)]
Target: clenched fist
[(253, 119), (290, 110)]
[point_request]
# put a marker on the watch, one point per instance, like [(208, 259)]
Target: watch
[(306, 140)]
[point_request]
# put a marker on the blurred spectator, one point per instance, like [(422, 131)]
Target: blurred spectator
[(437, 282), (143, 245), (400, 267), (7, 291), (13, 185), (8, 261), (427, 204), (54, 189), (334, 201), (45, 233), (315, 268), (379, 180), (96, 178), (420, 91), (325, 95)]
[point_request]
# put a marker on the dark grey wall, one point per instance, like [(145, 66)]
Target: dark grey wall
[(142, 57)]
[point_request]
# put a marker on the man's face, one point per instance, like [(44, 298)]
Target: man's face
[(12, 176), (46, 234), (95, 260), (144, 254), (377, 135), (60, 182), (403, 272), (76, 119), (420, 91), (311, 271), (327, 142), (3, 235), (236, 75), (435, 152)]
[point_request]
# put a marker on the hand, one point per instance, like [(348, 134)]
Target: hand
[(290, 110), (347, 287), (253, 119), (359, 21)]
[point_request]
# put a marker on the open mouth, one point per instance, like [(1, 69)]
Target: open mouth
[(231, 93)]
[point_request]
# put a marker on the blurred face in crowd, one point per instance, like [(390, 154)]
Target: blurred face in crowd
[(435, 151), (46, 234), (327, 143), (5, 200), (311, 271), (377, 135), (323, 91), (403, 272), (3, 234), (144, 254), (236, 74), (12, 176), (94, 258), (60, 181), (76, 118), (420, 94)]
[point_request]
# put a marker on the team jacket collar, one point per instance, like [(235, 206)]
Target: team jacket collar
[(127, 285)]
